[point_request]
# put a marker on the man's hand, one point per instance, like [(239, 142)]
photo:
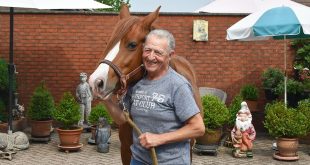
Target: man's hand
[(148, 140)]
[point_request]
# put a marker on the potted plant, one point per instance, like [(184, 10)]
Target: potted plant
[(286, 124), (271, 77), (19, 122), (67, 114), (98, 111), (304, 107), (250, 94), (294, 90), (302, 57), (40, 111), (216, 114)]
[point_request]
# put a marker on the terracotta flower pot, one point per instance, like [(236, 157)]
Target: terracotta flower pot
[(287, 147), (212, 137), (69, 138), (41, 128)]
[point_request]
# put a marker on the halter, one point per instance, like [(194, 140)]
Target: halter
[(122, 77)]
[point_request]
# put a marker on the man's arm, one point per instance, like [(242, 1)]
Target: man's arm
[(193, 128)]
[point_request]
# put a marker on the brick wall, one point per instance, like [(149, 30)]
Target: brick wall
[(57, 46)]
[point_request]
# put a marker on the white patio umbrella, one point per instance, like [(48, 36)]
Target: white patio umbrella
[(38, 4), (289, 20), (54, 4), (238, 6)]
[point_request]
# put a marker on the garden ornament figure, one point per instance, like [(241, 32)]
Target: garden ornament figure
[(103, 133), (12, 142), (84, 95), (243, 133)]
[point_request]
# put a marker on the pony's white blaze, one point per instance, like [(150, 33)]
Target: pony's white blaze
[(101, 73)]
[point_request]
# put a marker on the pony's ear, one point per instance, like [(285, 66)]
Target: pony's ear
[(124, 13), (149, 19)]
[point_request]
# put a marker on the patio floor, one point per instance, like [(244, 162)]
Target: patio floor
[(48, 153)]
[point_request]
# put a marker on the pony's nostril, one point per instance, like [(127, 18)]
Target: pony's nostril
[(99, 83)]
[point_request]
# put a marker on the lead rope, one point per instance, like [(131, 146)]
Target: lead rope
[(139, 132)]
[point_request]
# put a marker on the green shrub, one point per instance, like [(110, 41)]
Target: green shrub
[(99, 111), (304, 107), (67, 111), (215, 112), (41, 104), (4, 76), (285, 122), (271, 77), (233, 108), (302, 58), (249, 92), (3, 112), (292, 87)]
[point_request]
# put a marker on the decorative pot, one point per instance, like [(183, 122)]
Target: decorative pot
[(18, 125), (93, 132), (41, 128), (211, 137), (70, 139), (287, 147)]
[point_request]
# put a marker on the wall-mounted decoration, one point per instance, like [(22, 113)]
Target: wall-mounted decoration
[(200, 30)]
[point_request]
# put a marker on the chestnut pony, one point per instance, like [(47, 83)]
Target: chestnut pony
[(122, 66)]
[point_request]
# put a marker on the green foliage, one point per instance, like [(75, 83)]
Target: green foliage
[(249, 92), (4, 76), (292, 87), (41, 104), (99, 111), (115, 4), (3, 112), (67, 111), (272, 77), (304, 107), (233, 108), (215, 112), (306, 84), (285, 122), (302, 58)]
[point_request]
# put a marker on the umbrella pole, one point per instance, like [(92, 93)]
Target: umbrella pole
[(285, 73), (11, 69)]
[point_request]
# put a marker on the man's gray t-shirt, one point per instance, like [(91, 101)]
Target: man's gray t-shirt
[(161, 106)]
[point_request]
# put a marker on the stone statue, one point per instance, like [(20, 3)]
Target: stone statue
[(243, 133), (12, 142), (103, 134), (84, 95)]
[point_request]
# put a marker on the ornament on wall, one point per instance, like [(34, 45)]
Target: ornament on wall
[(200, 30)]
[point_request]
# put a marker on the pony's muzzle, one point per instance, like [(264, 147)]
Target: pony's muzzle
[(99, 85)]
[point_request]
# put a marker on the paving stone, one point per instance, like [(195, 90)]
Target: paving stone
[(48, 154)]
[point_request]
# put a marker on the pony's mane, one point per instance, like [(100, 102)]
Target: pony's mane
[(122, 27)]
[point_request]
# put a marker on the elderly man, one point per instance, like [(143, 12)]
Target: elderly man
[(162, 106), (243, 134)]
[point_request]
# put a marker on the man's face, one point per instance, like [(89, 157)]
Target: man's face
[(156, 56)]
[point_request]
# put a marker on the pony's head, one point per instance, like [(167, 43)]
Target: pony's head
[(123, 53)]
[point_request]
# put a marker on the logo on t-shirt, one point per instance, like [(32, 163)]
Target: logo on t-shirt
[(145, 101)]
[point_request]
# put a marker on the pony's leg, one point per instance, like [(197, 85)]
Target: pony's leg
[(125, 136)]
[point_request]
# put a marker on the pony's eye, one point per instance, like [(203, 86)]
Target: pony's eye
[(132, 45)]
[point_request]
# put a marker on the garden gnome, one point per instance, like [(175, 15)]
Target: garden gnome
[(103, 133), (84, 95), (243, 133)]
